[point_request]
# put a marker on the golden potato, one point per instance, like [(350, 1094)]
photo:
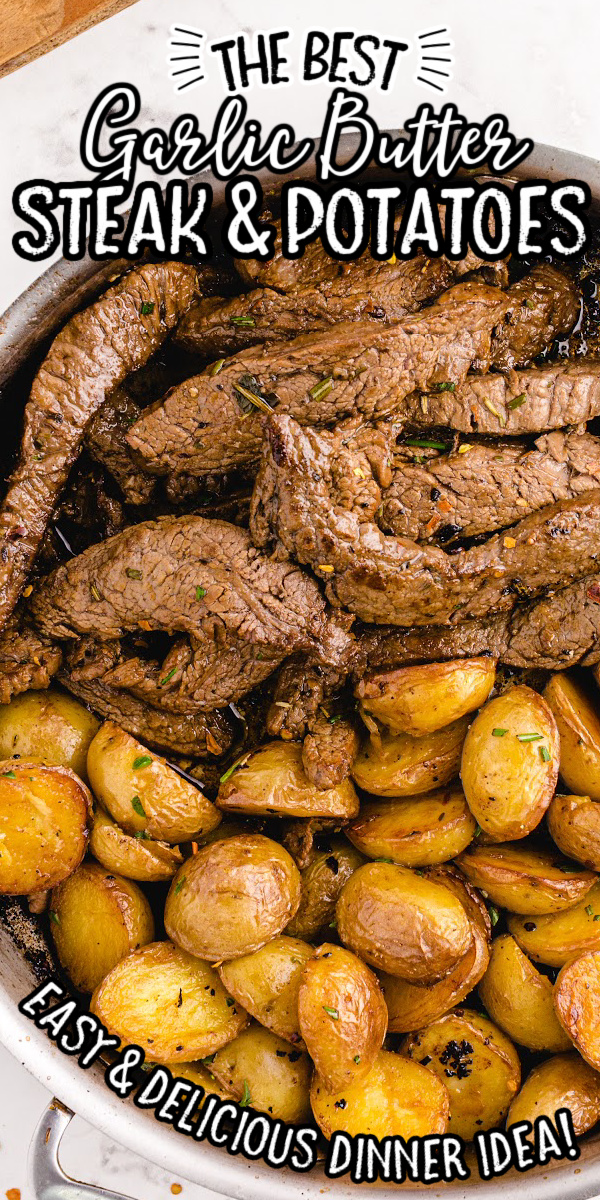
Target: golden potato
[(322, 881), (172, 1005), (47, 727), (401, 765), (420, 700), (136, 856), (272, 782), (520, 999), (524, 877), (563, 1081), (574, 822), (232, 897), (478, 1064), (44, 813), (576, 995), (509, 763), (403, 922), (200, 1076), (558, 937), (143, 793), (266, 984), (578, 722), (343, 1017), (398, 1098), (97, 919), (260, 1070), (419, 832)]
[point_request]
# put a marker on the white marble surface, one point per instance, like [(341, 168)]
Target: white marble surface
[(535, 60)]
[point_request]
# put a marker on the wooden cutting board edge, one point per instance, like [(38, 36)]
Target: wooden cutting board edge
[(64, 35)]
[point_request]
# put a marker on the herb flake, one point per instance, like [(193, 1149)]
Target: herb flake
[(138, 807), (142, 760), (499, 732), (332, 1012), (147, 308), (167, 677)]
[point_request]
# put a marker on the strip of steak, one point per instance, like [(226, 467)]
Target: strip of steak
[(329, 750), (545, 304), (28, 659), (87, 360), (105, 440)]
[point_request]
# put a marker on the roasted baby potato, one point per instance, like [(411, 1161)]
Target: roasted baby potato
[(172, 1005), (520, 999), (401, 765), (420, 700), (574, 822), (97, 919), (403, 923), (47, 727), (136, 856), (44, 813), (557, 938), (578, 721), (232, 897), (478, 1064), (419, 832), (398, 1098), (143, 793), (563, 1081), (525, 878), (509, 763), (322, 881), (576, 993), (266, 984), (261, 1070), (200, 1076), (272, 782), (343, 1017)]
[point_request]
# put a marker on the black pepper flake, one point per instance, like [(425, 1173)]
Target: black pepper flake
[(281, 1053), (340, 1104), (456, 1056), (435, 494), (294, 1055), (529, 926), (180, 999), (332, 863), (425, 1061)]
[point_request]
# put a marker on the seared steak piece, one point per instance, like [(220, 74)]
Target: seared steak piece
[(88, 358), (28, 660), (211, 422), (544, 305), (329, 750), (302, 684), (105, 440)]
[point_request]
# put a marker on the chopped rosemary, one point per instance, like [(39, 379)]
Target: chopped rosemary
[(544, 753), (142, 760), (138, 807), (217, 366), (167, 677), (252, 398), (178, 886), (425, 442), (131, 573), (332, 1012), (244, 321), (141, 835), (499, 732), (94, 591), (529, 737), (322, 388), (246, 1097), (200, 592), (9, 775), (54, 916), (517, 401), (589, 910), (494, 914), (234, 766), (442, 387), (357, 1058), (147, 308)]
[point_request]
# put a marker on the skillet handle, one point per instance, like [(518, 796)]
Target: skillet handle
[(48, 1180)]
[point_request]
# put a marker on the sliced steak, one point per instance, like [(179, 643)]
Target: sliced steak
[(302, 684), (28, 660), (329, 750), (545, 304), (105, 441), (87, 360)]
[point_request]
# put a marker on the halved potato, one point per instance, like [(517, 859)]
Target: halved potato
[(266, 984), (478, 1064), (232, 897), (272, 782), (136, 856), (262, 1071), (322, 881), (558, 937), (576, 996), (416, 832), (419, 700), (172, 1005), (401, 765), (578, 721), (143, 793), (574, 822), (520, 999), (398, 1098), (44, 815), (509, 763), (403, 922), (563, 1081), (97, 919), (343, 1016), (47, 726), (525, 878)]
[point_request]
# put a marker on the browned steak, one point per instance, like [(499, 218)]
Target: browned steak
[(105, 440), (329, 750), (28, 660), (545, 304)]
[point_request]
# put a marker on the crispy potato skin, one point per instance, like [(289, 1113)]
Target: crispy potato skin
[(398, 1098), (525, 878), (481, 1093), (574, 823), (322, 881), (266, 984), (150, 798), (507, 782), (576, 993), (401, 765), (563, 1081), (558, 937), (232, 897), (579, 728), (44, 814), (419, 832), (169, 1003), (403, 923), (96, 920), (343, 1016), (274, 1077), (420, 700), (146, 860), (47, 727), (520, 999), (273, 780)]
